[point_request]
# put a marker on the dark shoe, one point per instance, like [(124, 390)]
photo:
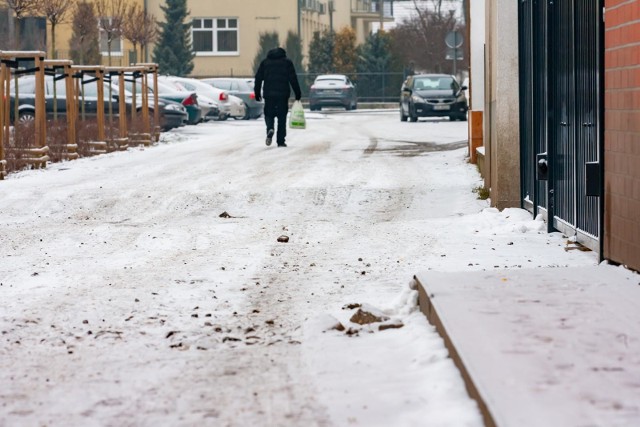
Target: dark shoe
[(282, 145), (269, 137)]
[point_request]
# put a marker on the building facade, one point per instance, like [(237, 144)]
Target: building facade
[(562, 133), (225, 35)]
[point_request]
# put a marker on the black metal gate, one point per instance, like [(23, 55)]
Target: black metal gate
[(561, 114)]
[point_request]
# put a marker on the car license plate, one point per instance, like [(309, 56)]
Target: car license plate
[(441, 107)]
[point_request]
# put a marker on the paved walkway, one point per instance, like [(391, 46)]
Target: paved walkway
[(543, 347)]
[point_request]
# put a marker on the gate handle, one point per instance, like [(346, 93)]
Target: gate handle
[(587, 125)]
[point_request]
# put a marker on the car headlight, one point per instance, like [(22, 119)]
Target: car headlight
[(416, 98)]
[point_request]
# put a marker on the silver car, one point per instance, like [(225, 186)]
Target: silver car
[(240, 88), (332, 90), (229, 105)]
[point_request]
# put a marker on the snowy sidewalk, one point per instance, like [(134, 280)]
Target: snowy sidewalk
[(543, 347)]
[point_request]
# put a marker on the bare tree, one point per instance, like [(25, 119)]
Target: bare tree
[(140, 28), (20, 8), (56, 13), (420, 40), (111, 17)]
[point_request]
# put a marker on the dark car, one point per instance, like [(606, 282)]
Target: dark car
[(172, 114), (241, 89), (332, 90), (432, 95), (88, 104), (188, 99)]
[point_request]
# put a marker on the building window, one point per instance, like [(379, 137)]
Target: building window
[(116, 43), (215, 35)]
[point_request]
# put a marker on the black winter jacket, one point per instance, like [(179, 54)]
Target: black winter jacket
[(277, 72)]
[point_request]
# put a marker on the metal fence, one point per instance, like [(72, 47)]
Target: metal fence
[(370, 87), (561, 112)]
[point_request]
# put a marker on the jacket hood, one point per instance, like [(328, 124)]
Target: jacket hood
[(277, 53)]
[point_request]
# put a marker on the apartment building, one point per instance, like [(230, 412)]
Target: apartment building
[(225, 34)]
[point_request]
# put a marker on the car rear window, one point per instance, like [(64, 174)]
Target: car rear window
[(242, 86), (334, 81), (221, 84)]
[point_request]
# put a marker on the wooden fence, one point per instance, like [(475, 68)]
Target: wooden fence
[(31, 134)]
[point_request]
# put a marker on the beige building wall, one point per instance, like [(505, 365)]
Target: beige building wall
[(253, 17), (258, 16), (501, 112), (64, 31)]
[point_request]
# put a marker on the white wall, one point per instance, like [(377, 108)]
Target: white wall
[(477, 36)]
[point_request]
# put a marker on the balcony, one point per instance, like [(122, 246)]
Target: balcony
[(370, 10)]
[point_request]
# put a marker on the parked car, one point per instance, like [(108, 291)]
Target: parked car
[(432, 95), (230, 106), (240, 88), (332, 90), (188, 99), (210, 108), (172, 114), (87, 103)]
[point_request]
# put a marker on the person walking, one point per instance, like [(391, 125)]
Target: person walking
[(279, 76)]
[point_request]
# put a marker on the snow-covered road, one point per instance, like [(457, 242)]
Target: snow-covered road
[(127, 299)]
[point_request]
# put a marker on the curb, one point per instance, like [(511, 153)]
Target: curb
[(428, 309)]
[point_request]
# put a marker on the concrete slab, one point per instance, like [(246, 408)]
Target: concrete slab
[(544, 347)]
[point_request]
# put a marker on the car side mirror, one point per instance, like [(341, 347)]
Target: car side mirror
[(464, 88), (407, 90)]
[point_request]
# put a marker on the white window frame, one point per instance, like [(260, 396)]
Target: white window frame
[(105, 53), (214, 34)]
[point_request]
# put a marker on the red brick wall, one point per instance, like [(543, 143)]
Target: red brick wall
[(622, 132)]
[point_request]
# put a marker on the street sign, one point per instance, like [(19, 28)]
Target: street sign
[(454, 53), (453, 39)]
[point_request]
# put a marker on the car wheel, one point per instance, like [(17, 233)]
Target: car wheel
[(247, 116), (403, 118), (412, 116), (26, 117), (354, 106)]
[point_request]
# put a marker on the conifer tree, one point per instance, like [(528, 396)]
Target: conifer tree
[(266, 42), (293, 46), (173, 52), (375, 61), (321, 53)]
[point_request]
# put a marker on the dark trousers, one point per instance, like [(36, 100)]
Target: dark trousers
[(277, 107)]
